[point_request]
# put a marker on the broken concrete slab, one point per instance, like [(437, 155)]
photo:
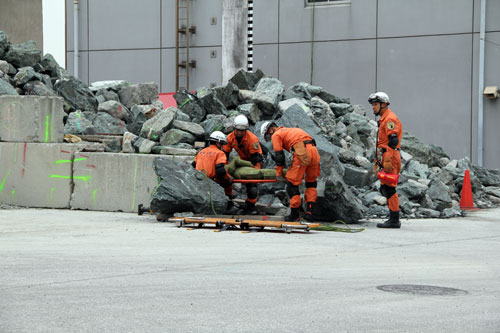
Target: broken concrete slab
[(115, 182), (37, 175), (31, 119)]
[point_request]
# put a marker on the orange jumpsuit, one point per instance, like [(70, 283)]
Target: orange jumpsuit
[(305, 162), (391, 158), (247, 148), (207, 159)]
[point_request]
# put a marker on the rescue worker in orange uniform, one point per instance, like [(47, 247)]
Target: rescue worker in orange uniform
[(305, 162), (211, 160), (388, 157), (248, 147)]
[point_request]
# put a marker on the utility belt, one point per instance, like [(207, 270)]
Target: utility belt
[(307, 142), (383, 150), (312, 142)]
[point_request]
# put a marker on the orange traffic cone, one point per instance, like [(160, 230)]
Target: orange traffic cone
[(466, 201)]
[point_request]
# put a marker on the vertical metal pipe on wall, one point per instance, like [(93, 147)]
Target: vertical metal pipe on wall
[(482, 28), (75, 38)]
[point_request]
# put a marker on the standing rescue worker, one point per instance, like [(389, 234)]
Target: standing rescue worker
[(305, 162), (211, 161), (248, 147), (388, 157)]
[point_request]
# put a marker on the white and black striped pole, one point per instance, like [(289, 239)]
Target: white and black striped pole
[(250, 37)]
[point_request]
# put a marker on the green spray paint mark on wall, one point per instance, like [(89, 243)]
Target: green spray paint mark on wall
[(135, 182), (12, 194), (93, 194), (52, 193), (69, 161), (84, 178), (3, 181), (47, 122)]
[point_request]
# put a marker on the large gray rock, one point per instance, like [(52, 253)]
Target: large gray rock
[(228, 95), (184, 189), (76, 93), (23, 55), (137, 119), (426, 154), (38, 88), (26, 74), (208, 100), (115, 85), (488, 177), (104, 123), (176, 151), (246, 80), (115, 109), (104, 95), (77, 123), (299, 90), (412, 189), (341, 109), (213, 123), (174, 136), (188, 103), (268, 94), (4, 44), (6, 88), (356, 176), (48, 65), (154, 128), (144, 146), (142, 93), (251, 111), (439, 193), (193, 128), (330, 98), (4, 66)]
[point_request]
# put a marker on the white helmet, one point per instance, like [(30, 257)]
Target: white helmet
[(380, 97), (241, 122), (265, 127), (218, 136)]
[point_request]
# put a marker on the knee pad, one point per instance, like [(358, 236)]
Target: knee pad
[(387, 191), (292, 190), (252, 191), (311, 184)]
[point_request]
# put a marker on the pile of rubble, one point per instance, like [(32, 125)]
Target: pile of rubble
[(430, 183)]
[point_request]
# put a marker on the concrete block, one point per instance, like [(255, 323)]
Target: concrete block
[(36, 175), (115, 182), (31, 119)]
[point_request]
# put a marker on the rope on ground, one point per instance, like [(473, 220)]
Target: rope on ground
[(332, 227)]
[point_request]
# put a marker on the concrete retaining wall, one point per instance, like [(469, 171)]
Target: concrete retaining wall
[(31, 119), (114, 182), (62, 176)]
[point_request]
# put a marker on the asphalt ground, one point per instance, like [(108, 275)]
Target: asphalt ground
[(85, 271)]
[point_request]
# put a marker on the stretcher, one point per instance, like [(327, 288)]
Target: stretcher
[(223, 223)]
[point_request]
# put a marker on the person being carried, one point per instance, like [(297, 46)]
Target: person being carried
[(248, 147), (305, 162), (211, 161), (388, 157)]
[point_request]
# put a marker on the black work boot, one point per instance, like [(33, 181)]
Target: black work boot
[(250, 208), (294, 215), (230, 203), (392, 222), (309, 211)]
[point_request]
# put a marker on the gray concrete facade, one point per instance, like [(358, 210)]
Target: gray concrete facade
[(22, 20), (423, 54)]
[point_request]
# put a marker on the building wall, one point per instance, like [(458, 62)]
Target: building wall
[(423, 54), (21, 20)]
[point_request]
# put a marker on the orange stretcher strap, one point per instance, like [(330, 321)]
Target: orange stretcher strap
[(249, 181)]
